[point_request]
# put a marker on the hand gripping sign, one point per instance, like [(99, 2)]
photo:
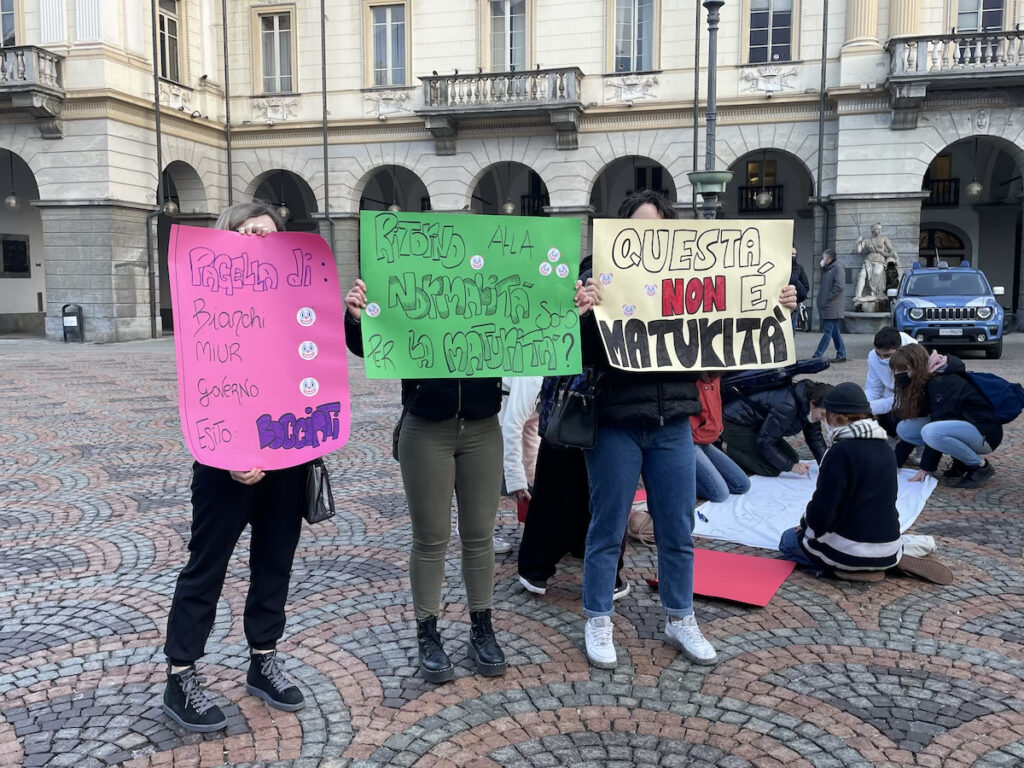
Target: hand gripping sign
[(693, 294), (453, 296), (260, 341)]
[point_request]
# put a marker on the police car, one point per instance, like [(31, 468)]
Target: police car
[(949, 307)]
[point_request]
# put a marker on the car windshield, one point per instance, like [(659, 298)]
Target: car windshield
[(946, 284)]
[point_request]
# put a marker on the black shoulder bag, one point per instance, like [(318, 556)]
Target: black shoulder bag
[(573, 420), (319, 497)]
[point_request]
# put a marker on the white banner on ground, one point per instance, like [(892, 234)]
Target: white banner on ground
[(773, 504)]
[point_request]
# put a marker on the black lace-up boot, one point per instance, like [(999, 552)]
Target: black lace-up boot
[(189, 705), (435, 666), (267, 680), (483, 647)]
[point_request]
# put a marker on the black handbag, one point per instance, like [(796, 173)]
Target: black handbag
[(573, 420), (319, 497)]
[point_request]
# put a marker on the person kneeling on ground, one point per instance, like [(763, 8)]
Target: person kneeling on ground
[(851, 524), (757, 424)]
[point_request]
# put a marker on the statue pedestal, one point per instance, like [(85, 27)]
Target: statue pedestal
[(865, 322)]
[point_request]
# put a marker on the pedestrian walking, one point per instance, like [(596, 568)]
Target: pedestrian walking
[(830, 306)]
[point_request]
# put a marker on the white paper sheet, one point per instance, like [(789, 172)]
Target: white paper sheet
[(773, 504)]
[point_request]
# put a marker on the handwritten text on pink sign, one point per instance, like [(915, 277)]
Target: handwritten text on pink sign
[(260, 340)]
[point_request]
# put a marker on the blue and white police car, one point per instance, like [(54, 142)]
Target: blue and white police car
[(949, 307)]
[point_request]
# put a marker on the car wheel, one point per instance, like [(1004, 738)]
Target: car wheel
[(994, 353)]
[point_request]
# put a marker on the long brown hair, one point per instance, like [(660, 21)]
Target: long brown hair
[(913, 359)]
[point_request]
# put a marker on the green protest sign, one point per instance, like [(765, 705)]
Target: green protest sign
[(454, 295)]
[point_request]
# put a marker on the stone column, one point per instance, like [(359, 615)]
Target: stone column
[(96, 257), (345, 245), (583, 214), (862, 24), (903, 17)]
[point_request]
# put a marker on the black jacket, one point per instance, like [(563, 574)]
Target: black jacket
[(438, 399), (952, 397), (629, 396), (798, 279), (774, 414), (851, 521)]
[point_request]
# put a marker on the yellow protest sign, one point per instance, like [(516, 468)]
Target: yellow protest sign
[(690, 295)]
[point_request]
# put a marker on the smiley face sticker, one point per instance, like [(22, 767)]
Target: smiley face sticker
[(373, 309), (309, 386), (308, 350), (554, 255), (477, 261), (606, 278), (306, 317), (628, 310), (562, 270), (545, 269), (650, 290)]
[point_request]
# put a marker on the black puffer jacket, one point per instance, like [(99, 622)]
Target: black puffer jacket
[(774, 414), (952, 397), (438, 399), (630, 396)]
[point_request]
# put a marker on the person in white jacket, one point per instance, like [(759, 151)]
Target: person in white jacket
[(521, 440), (880, 382)]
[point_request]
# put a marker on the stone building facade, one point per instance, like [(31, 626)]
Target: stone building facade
[(529, 107)]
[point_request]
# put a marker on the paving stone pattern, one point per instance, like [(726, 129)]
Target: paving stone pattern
[(94, 523)]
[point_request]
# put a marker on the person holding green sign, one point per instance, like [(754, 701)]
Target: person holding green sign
[(643, 429), (450, 441)]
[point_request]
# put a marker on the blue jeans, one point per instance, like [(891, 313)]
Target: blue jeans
[(717, 474), (789, 546), (959, 439), (664, 456), (830, 332)]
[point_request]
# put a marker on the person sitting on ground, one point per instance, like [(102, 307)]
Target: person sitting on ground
[(850, 524), (757, 424), (943, 411), (718, 476)]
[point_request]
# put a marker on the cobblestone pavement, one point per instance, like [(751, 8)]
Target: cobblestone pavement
[(94, 520)]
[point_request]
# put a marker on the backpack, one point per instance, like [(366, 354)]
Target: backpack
[(735, 385), (1005, 397)]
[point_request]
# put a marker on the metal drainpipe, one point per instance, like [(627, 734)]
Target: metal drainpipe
[(821, 124), (227, 99), (696, 100), (151, 243), (323, 121)]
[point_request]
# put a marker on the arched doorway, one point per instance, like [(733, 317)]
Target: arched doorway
[(621, 177), (974, 196), (510, 188), (184, 203), (772, 184), (22, 273), (938, 244), (286, 190), (392, 187)]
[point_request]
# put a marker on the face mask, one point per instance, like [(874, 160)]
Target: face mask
[(902, 379), (822, 262), (884, 360)]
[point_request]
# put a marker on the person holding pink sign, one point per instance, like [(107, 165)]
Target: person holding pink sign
[(223, 504), (450, 441)]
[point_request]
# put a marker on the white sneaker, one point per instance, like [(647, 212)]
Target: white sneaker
[(685, 635), (535, 587), (621, 590), (600, 648), (501, 545)]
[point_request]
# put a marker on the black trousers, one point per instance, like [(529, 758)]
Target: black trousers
[(559, 513), (221, 508)]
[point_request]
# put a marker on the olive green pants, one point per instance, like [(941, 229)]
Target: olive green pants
[(437, 458)]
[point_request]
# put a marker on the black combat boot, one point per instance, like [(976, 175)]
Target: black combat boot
[(189, 705), (435, 666), (483, 647)]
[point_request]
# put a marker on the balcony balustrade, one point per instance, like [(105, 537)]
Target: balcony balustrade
[(552, 93), (961, 57), (942, 193), (31, 83)]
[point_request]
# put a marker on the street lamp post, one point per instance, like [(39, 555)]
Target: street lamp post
[(709, 183)]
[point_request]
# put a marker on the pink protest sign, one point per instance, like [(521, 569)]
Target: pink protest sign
[(260, 338)]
